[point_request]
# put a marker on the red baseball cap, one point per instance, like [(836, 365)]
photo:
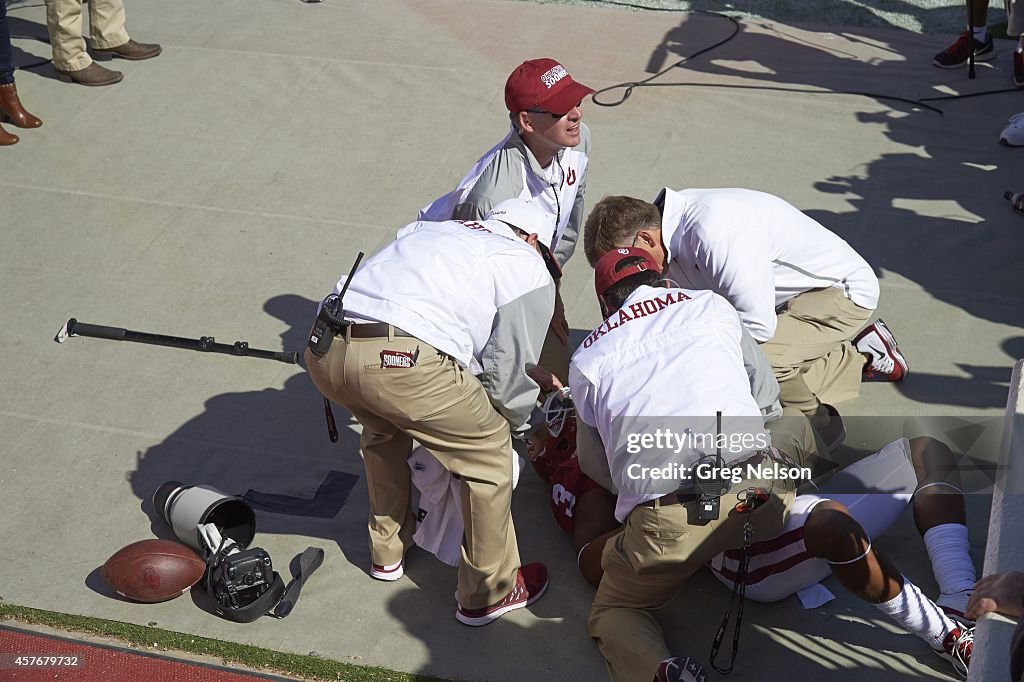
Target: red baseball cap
[(543, 85), (605, 274)]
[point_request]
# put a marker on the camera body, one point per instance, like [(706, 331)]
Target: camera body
[(238, 579)]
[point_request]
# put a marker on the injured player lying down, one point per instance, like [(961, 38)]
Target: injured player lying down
[(828, 531)]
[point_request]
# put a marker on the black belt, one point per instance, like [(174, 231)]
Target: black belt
[(672, 498), (683, 498), (373, 330)]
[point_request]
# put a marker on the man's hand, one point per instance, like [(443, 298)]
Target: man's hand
[(545, 378), (536, 439), (1002, 592)]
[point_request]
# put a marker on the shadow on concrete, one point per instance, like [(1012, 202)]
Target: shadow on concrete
[(270, 446)]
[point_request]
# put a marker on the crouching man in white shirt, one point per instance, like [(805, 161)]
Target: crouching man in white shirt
[(802, 292), (443, 325)]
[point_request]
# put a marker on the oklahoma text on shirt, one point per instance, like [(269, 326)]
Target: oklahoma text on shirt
[(639, 309)]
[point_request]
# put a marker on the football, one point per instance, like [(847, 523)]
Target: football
[(153, 570)]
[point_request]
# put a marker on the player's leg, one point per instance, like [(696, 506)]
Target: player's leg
[(833, 534), (942, 521)]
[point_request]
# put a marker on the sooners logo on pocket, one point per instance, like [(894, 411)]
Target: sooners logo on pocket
[(398, 359)]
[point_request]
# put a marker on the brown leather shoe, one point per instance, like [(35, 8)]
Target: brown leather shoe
[(131, 50), (6, 138), (92, 75), (10, 106)]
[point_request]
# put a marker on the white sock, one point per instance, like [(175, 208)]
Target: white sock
[(981, 33), (950, 555), (918, 614)]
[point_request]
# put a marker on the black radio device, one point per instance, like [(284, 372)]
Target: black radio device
[(331, 319), (711, 487)]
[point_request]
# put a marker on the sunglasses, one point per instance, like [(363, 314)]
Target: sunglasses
[(553, 114)]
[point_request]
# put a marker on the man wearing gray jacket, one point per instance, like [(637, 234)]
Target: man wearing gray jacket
[(544, 157), (445, 322)]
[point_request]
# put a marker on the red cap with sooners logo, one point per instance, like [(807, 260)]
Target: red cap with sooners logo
[(543, 85), (605, 274)]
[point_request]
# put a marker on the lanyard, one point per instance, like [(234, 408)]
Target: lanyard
[(750, 499)]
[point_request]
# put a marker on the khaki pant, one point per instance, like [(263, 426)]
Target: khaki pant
[(65, 24), (646, 564), (660, 548), (446, 409), (811, 353)]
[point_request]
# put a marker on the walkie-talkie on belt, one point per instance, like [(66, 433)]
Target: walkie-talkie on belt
[(331, 320), (711, 488)]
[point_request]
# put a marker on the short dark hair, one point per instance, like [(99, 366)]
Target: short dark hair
[(613, 222), (620, 291)]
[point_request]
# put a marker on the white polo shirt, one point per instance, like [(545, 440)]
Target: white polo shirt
[(758, 251), (473, 290), (668, 359)]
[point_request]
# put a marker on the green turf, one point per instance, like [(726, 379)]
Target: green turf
[(309, 667)]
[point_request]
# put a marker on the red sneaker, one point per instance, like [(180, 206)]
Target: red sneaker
[(531, 582), (389, 573), (680, 669), (887, 362), (957, 649)]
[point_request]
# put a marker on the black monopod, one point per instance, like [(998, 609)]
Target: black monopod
[(205, 343)]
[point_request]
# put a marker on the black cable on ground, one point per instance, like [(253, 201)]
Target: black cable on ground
[(968, 95), (647, 82)]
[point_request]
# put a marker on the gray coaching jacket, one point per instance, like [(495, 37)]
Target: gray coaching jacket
[(509, 170)]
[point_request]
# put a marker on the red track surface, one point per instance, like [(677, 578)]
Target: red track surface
[(100, 662)]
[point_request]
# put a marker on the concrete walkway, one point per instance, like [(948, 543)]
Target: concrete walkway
[(222, 188)]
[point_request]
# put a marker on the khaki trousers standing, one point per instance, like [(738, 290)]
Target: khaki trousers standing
[(446, 409), (811, 353), (64, 22)]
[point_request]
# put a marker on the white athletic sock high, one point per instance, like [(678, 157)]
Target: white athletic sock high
[(949, 551), (981, 33), (918, 614)]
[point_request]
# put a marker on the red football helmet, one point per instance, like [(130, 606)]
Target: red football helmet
[(560, 419)]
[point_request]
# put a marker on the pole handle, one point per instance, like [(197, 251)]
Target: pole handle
[(98, 331)]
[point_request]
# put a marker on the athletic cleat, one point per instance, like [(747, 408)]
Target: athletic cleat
[(680, 669), (1013, 134), (955, 56), (887, 362), (531, 582), (1018, 68), (957, 649), (389, 573)]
